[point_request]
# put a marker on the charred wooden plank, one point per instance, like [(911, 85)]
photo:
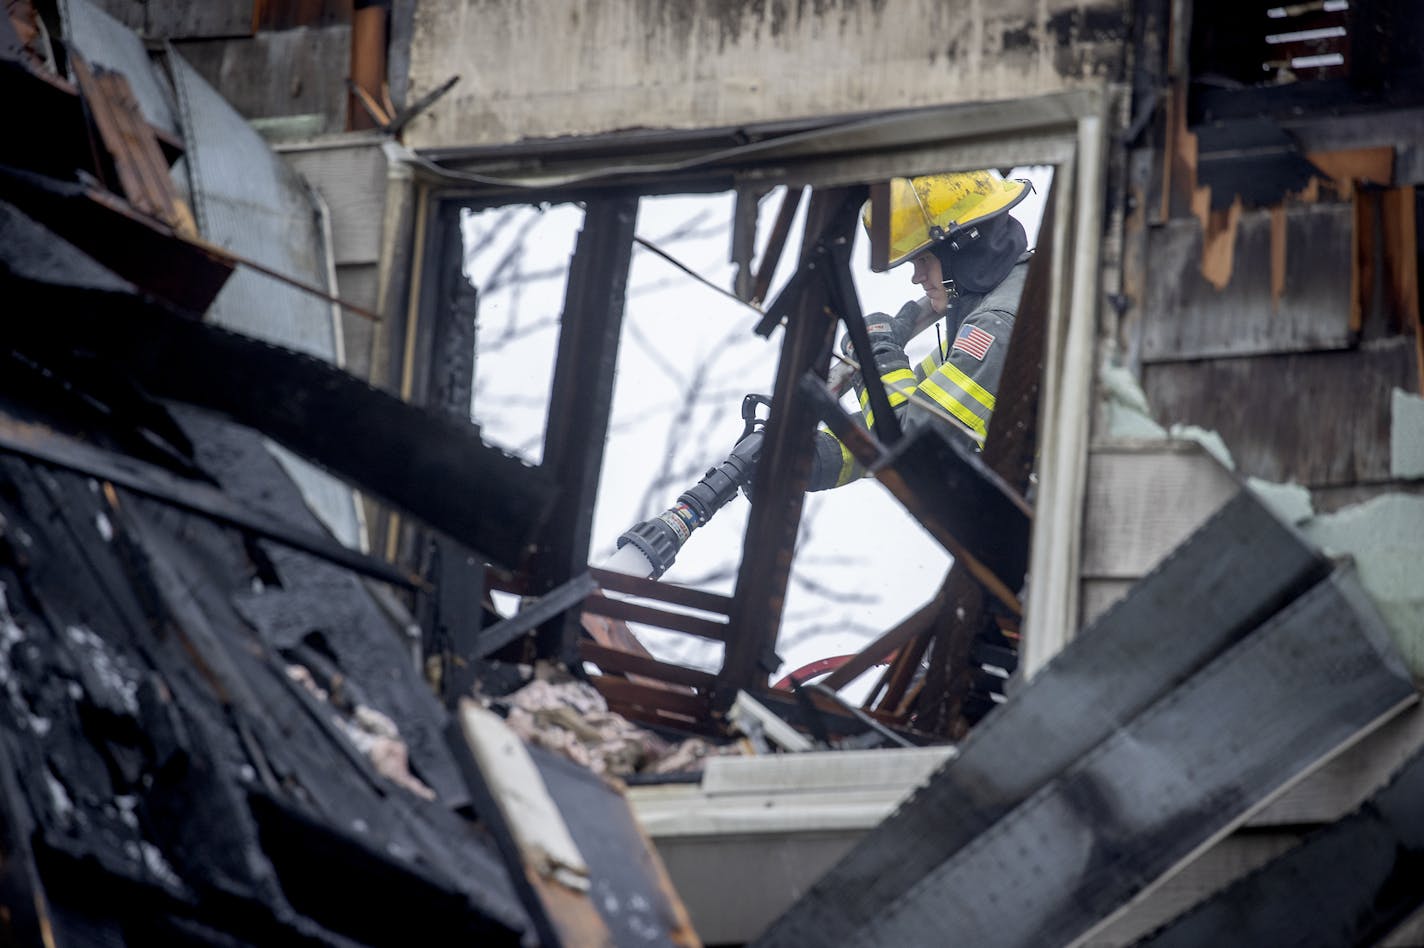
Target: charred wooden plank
[(970, 510), (547, 867), (421, 462), (785, 462), (629, 884), (665, 592), (152, 481), (613, 661), (580, 402), (662, 618), (651, 699), (1329, 418), (138, 249)]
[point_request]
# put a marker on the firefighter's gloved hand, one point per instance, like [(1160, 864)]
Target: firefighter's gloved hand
[(888, 334)]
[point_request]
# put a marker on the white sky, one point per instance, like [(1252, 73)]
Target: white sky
[(680, 336)]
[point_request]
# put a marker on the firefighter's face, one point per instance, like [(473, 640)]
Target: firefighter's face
[(929, 275)]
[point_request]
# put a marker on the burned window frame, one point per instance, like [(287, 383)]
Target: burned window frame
[(609, 175)]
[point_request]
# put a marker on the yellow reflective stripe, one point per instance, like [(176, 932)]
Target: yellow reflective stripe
[(899, 375), (899, 386), (971, 388), (847, 465), (928, 365), (954, 406)]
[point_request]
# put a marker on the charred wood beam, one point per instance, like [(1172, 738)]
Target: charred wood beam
[(776, 243), (585, 872), (938, 706), (856, 438), (154, 690), (784, 466), (637, 900), (663, 592), (846, 304), (903, 683), (1012, 437), (580, 401), (49, 447), (977, 517), (885, 645), (890, 736), (837, 720), (1009, 449), (458, 613), (617, 661), (550, 606), (557, 909), (451, 618), (304, 848), (28, 915), (437, 469), (656, 705), (140, 250), (662, 618)]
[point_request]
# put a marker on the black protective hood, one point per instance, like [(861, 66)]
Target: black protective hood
[(981, 264)]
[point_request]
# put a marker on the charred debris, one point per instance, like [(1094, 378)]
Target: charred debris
[(221, 724), (225, 722), (217, 729)]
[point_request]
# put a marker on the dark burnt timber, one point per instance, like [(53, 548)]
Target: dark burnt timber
[(140, 250), (421, 462), (1009, 448), (161, 761), (44, 445), (189, 706), (780, 479), (982, 521), (580, 402), (1240, 568)]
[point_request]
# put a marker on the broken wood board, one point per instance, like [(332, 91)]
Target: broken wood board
[(1321, 419), (1186, 317)]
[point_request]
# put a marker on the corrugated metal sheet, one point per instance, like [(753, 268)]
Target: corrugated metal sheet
[(247, 199), (104, 41)]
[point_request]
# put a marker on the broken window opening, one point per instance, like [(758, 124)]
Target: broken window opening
[(516, 258), (1289, 59), (666, 269)]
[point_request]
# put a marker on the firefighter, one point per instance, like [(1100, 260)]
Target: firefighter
[(969, 255)]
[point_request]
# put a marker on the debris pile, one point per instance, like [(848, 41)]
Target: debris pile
[(572, 718)]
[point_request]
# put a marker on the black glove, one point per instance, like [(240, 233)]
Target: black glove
[(888, 334)]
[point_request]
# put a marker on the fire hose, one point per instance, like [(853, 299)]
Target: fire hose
[(651, 547)]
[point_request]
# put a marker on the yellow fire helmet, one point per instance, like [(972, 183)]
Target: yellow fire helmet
[(936, 207)]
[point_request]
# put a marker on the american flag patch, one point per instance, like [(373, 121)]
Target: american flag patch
[(974, 341)]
